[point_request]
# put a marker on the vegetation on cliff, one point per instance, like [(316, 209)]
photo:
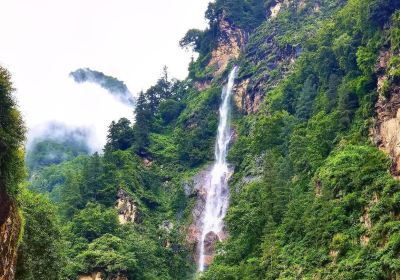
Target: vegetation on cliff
[(311, 196)]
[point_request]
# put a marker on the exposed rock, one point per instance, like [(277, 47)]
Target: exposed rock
[(196, 188), (318, 189), (120, 277), (127, 209), (271, 60), (97, 275), (239, 96), (147, 162), (385, 132), (334, 254), (202, 85), (93, 276), (364, 240), (209, 243), (274, 10), (167, 226), (10, 226), (365, 219), (301, 5), (228, 47)]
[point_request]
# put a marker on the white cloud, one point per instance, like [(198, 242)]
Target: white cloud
[(43, 40)]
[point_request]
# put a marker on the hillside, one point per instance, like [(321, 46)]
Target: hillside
[(312, 150)]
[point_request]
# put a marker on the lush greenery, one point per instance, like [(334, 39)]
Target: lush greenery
[(311, 197), (12, 135), (321, 204), (58, 144)]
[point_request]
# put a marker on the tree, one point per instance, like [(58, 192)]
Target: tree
[(71, 198), (170, 110), (40, 252), (120, 135), (142, 125), (306, 98), (94, 221), (92, 176), (192, 39), (12, 136)]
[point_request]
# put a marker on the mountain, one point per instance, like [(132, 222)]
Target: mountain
[(55, 144), (114, 86), (312, 151)]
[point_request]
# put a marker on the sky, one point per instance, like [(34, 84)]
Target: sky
[(44, 40)]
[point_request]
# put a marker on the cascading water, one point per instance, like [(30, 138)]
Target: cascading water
[(217, 191)]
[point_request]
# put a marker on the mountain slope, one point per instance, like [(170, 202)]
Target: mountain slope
[(11, 175), (313, 194)]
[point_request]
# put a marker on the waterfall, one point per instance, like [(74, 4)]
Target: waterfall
[(217, 191)]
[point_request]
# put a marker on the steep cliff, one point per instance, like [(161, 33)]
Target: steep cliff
[(386, 127), (127, 209), (10, 228), (274, 46), (11, 174)]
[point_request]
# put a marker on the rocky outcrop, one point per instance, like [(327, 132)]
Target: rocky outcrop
[(385, 131), (10, 226), (93, 276), (230, 42), (366, 221), (229, 45), (274, 10), (97, 275), (268, 61), (195, 188), (209, 247), (127, 209)]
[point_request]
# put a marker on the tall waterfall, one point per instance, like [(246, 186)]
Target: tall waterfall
[(217, 197)]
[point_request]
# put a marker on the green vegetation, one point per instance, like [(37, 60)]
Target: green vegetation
[(323, 205), (12, 135), (311, 197)]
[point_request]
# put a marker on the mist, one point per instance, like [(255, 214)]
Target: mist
[(131, 40), (86, 107)]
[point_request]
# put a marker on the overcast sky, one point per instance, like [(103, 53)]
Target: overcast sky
[(43, 40)]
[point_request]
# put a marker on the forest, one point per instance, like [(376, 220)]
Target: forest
[(314, 193)]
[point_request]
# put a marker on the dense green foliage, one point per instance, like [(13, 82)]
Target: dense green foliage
[(12, 135), (40, 252), (311, 197), (322, 204), (46, 152)]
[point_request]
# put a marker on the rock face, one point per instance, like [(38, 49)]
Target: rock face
[(269, 60), (10, 226), (385, 131), (209, 247), (127, 209), (99, 276), (93, 276), (196, 188), (228, 46)]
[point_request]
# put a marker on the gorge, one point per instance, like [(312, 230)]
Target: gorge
[(295, 103)]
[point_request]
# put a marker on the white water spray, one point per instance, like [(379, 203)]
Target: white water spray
[(217, 197)]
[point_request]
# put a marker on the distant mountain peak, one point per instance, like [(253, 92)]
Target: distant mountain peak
[(114, 86)]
